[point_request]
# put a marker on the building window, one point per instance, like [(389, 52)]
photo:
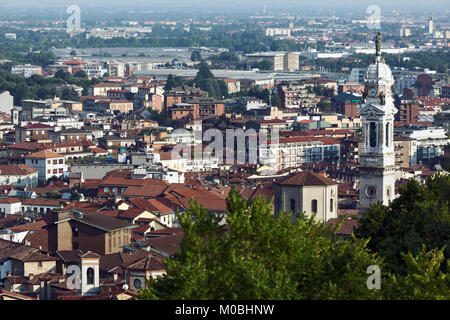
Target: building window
[(373, 135), (331, 205), (90, 276), (292, 205), (314, 206), (137, 283), (75, 232), (387, 134), (40, 264), (61, 161)]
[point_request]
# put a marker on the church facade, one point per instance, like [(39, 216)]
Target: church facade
[(377, 157)]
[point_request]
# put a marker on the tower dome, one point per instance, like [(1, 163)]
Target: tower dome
[(380, 71)]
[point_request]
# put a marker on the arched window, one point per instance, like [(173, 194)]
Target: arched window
[(314, 206), (90, 276), (137, 283)]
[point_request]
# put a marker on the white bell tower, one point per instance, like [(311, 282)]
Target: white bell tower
[(377, 157)]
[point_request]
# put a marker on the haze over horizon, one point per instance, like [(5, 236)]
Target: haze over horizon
[(203, 4)]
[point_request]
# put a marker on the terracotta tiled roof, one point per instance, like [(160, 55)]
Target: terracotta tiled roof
[(90, 255), (144, 191), (38, 225), (148, 263), (37, 126), (9, 200), (38, 239), (151, 205), (98, 150), (19, 169), (131, 213), (308, 178), (41, 202), (45, 154), (347, 227), (168, 244), (15, 295), (131, 182)]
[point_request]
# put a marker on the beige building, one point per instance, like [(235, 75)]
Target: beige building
[(307, 193), (283, 61), (88, 231), (101, 89)]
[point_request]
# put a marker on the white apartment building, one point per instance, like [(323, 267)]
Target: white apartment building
[(294, 151), (358, 75), (19, 176), (48, 163), (10, 205), (26, 70), (430, 142), (95, 69)]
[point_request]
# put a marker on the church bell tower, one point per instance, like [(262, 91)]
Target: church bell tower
[(377, 158)]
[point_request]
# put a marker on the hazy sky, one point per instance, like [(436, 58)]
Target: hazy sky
[(409, 4)]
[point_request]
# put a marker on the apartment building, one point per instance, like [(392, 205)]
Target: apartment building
[(19, 176), (292, 152), (26, 70), (281, 61), (48, 163)]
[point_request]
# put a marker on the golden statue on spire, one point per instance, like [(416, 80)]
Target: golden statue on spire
[(378, 44)]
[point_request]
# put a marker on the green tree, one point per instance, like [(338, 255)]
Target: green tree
[(172, 82), (263, 65), (275, 99), (196, 56), (324, 105), (61, 74), (81, 74), (258, 256), (69, 94), (204, 72), (424, 278), (419, 216)]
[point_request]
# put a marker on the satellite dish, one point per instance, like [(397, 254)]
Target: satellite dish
[(125, 287)]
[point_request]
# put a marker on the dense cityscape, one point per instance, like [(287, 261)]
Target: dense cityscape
[(262, 152)]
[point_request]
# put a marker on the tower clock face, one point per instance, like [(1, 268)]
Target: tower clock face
[(372, 92)]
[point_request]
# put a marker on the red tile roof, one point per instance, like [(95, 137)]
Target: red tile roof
[(37, 126), (9, 200), (308, 178), (45, 154), (347, 227), (19, 169)]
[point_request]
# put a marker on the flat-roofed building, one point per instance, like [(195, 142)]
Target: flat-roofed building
[(26, 70)]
